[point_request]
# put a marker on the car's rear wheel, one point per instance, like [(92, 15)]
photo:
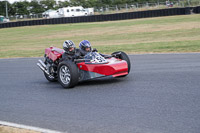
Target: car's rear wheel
[(122, 55), (50, 78), (68, 74)]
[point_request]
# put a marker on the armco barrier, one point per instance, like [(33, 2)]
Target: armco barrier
[(107, 17), (196, 9)]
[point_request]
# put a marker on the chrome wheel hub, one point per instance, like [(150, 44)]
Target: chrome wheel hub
[(65, 75)]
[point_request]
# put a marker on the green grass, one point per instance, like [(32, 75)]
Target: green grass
[(156, 47), (150, 35)]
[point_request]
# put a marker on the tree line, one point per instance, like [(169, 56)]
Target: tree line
[(39, 6)]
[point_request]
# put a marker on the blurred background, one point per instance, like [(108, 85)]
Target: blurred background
[(16, 10)]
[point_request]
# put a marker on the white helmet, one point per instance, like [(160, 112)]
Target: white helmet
[(67, 45)]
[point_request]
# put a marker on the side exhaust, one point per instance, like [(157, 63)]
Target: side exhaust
[(42, 63), (42, 66)]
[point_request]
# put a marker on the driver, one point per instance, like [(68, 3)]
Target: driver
[(85, 47), (71, 52)]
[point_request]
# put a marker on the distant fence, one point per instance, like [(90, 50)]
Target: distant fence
[(106, 17), (196, 9)]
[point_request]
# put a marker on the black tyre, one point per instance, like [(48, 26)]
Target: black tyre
[(50, 78), (68, 75), (125, 57)]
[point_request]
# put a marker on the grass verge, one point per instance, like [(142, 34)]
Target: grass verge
[(7, 129), (149, 35)]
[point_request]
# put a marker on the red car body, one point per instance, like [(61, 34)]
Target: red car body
[(114, 67)]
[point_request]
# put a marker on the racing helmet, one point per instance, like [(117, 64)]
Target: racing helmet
[(85, 44), (67, 45)]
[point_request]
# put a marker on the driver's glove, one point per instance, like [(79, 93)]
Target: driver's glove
[(94, 50)]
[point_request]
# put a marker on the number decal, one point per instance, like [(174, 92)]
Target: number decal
[(100, 59), (95, 58)]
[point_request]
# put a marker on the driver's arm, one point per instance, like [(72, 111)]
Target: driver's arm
[(78, 55)]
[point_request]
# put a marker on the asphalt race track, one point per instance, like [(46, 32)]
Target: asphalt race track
[(160, 95)]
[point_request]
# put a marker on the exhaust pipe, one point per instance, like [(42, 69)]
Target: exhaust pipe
[(41, 66), (42, 63)]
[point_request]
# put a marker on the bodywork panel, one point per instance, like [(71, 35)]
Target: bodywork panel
[(113, 67)]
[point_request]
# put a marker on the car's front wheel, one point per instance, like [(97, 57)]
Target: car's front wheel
[(68, 74)]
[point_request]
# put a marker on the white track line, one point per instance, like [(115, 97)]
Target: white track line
[(42, 130)]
